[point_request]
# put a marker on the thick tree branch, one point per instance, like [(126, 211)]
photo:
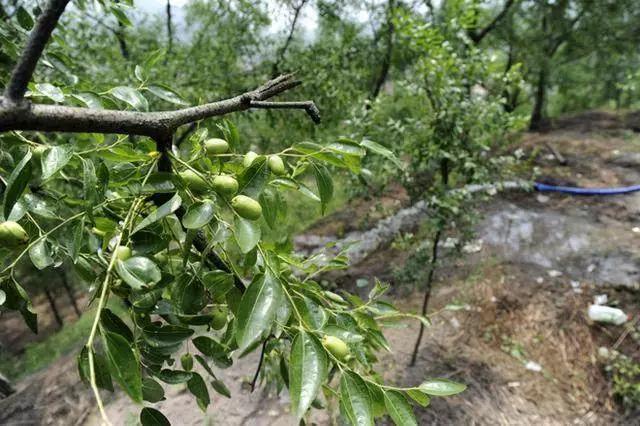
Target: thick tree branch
[(26, 65), (477, 36), (57, 118)]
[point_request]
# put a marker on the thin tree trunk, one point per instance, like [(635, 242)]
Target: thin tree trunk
[(275, 69), (169, 29), (537, 115), (444, 171), (69, 291), (54, 309), (386, 59)]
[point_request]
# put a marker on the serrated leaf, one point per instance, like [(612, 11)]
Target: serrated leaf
[(50, 91), (166, 335), (199, 214), (399, 409), (381, 150), (441, 387), (307, 372), (131, 97), (54, 160), (152, 391), (163, 211), (17, 183), (139, 272), (355, 400), (198, 388), (247, 233), (40, 255), (257, 310), (124, 364), (167, 94), (152, 417)]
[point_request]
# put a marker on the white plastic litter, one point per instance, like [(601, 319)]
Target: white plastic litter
[(607, 314), (533, 366), (600, 299)]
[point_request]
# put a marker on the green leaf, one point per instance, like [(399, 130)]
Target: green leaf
[(167, 94), (131, 96), (218, 283), (324, 182), (257, 310), (152, 391), (100, 366), (420, 397), (166, 335), (164, 210), (18, 300), (17, 183), (213, 349), (355, 400), (174, 377), (343, 334), (270, 202), (377, 399), (307, 372), (91, 100), (198, 388), (399, 409), (152, 417), (40, 255), (124, 364), (187, 294), (111, 322), (221, 388), (313, 314), (381, 150), (247, 233), (24, 18), (54, 160), (199, 214), (253, 178), (441, 387), (50, 91), (139, 272)]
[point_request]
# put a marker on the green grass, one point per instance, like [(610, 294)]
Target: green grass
[(39, 355)]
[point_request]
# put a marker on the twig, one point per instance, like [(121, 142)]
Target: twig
[(26, 65), (257, 374)]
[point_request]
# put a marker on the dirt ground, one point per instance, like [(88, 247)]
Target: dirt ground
[(519, 335)]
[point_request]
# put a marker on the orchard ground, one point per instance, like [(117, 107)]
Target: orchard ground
[(509, 318)]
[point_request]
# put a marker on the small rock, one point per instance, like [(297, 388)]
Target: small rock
[(635, 229), (472, 247), (600, 299), (542, 198), (554, 273), (539, 280), (513, 384)]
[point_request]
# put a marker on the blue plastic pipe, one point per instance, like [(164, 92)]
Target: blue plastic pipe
[(543, 187)]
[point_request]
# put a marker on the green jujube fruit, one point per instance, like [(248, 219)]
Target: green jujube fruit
[(193, 181), (219, 319), (336, 346), (186, 361), (225, 185), (122, 253), (276, 165), (246, 207), (216, 146), (12, 234), (248, 159)]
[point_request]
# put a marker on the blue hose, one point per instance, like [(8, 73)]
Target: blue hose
[(543, 187)]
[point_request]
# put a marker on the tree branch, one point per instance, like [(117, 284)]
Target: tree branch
[(57, 118), (283, 49), (26, 65), (479, 35)]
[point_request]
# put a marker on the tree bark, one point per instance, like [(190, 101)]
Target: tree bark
[(537, 114), (69, 291), (386, 59), (54, 309)]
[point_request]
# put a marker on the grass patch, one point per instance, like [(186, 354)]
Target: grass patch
[(39, 355)]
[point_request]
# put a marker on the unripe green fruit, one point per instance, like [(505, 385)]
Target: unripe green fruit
[(246, 207), (216, 146), (193, 181), (122, 253), (276, 165), (248, 158), (334, 297), (38, 151), (12, 234), (225, 185), (186, 361), (219, 319), (336, 346)]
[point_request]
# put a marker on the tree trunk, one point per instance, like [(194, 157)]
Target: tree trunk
[(69, 291), (537, 115), (54, 309)]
